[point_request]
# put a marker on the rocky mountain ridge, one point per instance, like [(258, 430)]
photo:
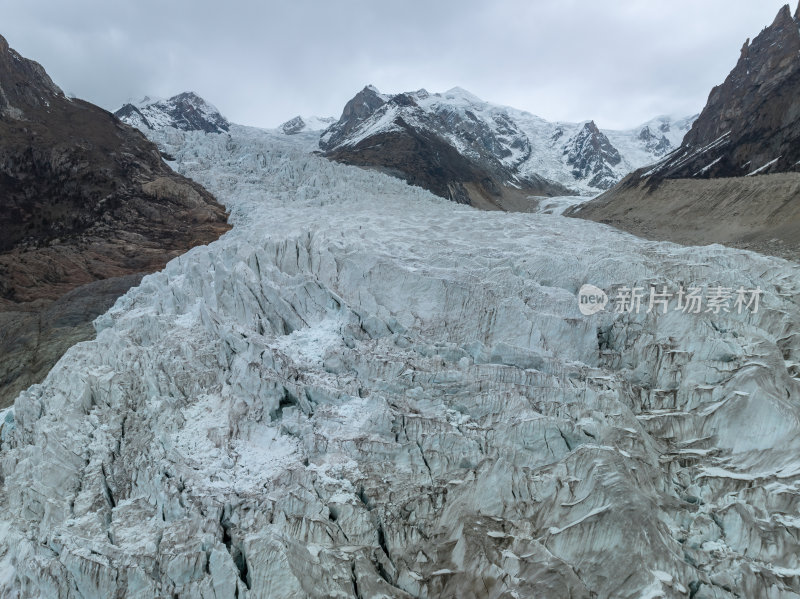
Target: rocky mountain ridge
[(185, 111), (750, 123), (87, 204), (735, 179), (471, 151)]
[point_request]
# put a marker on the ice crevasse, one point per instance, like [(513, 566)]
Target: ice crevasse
[(363, 390)]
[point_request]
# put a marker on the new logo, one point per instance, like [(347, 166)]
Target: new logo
[(591, 300)]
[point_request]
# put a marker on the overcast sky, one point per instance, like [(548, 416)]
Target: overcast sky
[(619, 62)]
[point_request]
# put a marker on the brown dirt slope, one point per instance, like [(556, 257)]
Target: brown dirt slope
[(87, 206), (756, 213)]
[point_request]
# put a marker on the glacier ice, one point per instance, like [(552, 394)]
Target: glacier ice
[(363, 390)]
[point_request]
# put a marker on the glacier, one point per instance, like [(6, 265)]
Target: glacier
[(363, 390)]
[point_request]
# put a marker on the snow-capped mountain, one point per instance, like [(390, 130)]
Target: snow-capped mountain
[(364, 390), (301, 124), (186, 111), (512, 147)]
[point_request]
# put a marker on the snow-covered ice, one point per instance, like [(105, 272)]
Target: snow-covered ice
[(363, 390)]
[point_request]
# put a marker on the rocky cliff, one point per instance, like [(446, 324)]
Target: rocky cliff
[(592, 157), (721, 182), (751, 123), (87, 206)]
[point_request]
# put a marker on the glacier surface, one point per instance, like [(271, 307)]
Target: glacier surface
[(364, 390)]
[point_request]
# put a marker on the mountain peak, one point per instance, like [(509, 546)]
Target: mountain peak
[(186, 111), (744, 117), (784, 14), (24, 84), (461, 94), (360, 107), (786, 22), (373, 93), (591, 126), (592, 156), (189, 95)]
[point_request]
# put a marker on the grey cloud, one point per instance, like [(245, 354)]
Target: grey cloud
[(619, 62)]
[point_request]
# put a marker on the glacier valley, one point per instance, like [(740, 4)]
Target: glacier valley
[(364, 390)]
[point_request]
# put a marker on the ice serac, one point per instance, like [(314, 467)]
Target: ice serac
[(87, 207), (734, 179), (470, 151), (364, 390), (186, 111)]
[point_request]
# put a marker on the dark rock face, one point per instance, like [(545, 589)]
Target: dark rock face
[(419, 147), (752, 120), (591, 154), (293, 126), (24, 83), (425, 160), (304, 125), (655, 143), (357, 110), (735, 178), (186, 111), (84, 198)]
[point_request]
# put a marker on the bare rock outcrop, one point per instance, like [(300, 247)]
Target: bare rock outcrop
[(84, 198), (735, 177)]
